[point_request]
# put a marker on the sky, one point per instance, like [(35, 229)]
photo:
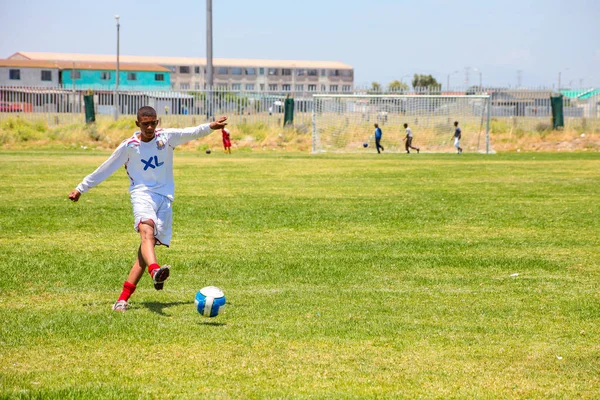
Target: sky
[(384, 40)]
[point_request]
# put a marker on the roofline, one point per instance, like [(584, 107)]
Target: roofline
[(68, 65), (191, 61)]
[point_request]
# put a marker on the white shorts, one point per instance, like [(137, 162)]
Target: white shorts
[(456, 142), (157, 208)]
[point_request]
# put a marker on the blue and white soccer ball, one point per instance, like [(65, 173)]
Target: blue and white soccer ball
[(210, 301), (365, 144)]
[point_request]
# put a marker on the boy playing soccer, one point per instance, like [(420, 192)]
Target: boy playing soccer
[(378, 135), (226, 140), (408, 140), (148, 160), (457, 136)]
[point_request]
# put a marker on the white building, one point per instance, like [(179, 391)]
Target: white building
[(189, 73)]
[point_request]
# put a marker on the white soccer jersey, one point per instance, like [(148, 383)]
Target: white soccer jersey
[(149, 165), (408, 132)]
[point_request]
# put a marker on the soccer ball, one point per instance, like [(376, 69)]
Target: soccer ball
[(207, 151), (365, 144), (210, 301)]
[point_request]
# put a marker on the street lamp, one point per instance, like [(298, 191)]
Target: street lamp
[(448, 79), (559, 76), (402, 81), (116, 95)]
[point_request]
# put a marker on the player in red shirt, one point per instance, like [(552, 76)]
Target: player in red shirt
[(226, 140)]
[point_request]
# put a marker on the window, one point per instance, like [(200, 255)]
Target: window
[(273, 71), (299, 88), (236, 86), (334, 72), (312, 88), (286, 88), (323, 88), (46, 75), (196, 70), (333, 88), (323, 72), (184, 70), (131, 76), (159, 77), (104, 75), (286, 72), (250, 86), (261, 71), (312, 72), (272, 86), (197, 86), (14, 74), (251, 71), (346, 88), (184, 86), (262, 86), (76, 74), (346, 72), (222, 70), (300, 72), (236, 71)]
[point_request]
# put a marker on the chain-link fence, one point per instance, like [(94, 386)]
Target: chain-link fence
[(525, 109)]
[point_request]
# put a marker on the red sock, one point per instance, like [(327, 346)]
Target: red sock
[(128, 289), (152, 268)]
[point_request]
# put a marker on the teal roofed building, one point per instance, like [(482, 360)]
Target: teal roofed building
[(102, 76), (581, 94), (88, 75)]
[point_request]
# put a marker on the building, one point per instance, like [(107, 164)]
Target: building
[(88, 75), (189, 73)]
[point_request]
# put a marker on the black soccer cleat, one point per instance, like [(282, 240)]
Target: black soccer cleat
[(160, 276)]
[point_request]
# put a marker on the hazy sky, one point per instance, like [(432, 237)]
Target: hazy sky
[(382, 39)]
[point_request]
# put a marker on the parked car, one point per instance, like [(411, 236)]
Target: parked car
[(10, 107)]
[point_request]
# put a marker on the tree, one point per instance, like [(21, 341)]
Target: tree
[(375, 87), (397, 86), (425, 81)]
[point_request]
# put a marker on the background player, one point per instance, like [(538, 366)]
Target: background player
[(408, 140), (457, 136), (226, 140), (378, 134)]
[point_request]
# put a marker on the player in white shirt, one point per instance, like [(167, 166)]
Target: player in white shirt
[(408, 140), (457, 136), (148, 160)]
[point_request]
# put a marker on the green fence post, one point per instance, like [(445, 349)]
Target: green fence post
[(90, 114), (558, 118), (288, 112)]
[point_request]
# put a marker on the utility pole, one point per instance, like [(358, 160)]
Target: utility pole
[(209, 58), (116, 100), (209, 45)]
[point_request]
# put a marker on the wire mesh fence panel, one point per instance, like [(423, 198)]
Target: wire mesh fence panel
[(346, 123), (429, 112)]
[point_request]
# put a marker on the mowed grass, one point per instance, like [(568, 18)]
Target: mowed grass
[(346, 276)]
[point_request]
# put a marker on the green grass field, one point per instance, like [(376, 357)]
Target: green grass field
[(347, 276)]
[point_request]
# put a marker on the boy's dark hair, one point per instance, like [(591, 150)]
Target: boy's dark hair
[(146, 111), (406, 125), (455, 123)]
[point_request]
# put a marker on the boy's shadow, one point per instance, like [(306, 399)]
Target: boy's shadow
[(159, 308)]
